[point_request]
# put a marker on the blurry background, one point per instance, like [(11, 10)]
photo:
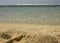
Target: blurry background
[(31, 15)]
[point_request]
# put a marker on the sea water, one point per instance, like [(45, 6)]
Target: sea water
[(30, 15)]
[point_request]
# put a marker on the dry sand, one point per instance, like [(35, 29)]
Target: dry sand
[(29, 33)]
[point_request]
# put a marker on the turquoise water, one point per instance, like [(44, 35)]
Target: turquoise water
[(31, 15)]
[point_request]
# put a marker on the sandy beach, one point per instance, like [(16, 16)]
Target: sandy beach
[(29, 33)]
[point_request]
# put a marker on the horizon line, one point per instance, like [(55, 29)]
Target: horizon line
[(29, 4)]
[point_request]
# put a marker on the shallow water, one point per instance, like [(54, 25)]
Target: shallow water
[(31, 15)]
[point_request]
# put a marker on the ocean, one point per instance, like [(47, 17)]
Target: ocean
[(30, 15)]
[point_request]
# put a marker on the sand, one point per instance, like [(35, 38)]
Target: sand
[(29, 33)]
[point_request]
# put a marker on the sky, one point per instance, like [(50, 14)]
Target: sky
[(9, 2)]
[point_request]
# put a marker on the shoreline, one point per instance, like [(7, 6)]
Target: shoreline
[(28, 27)]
